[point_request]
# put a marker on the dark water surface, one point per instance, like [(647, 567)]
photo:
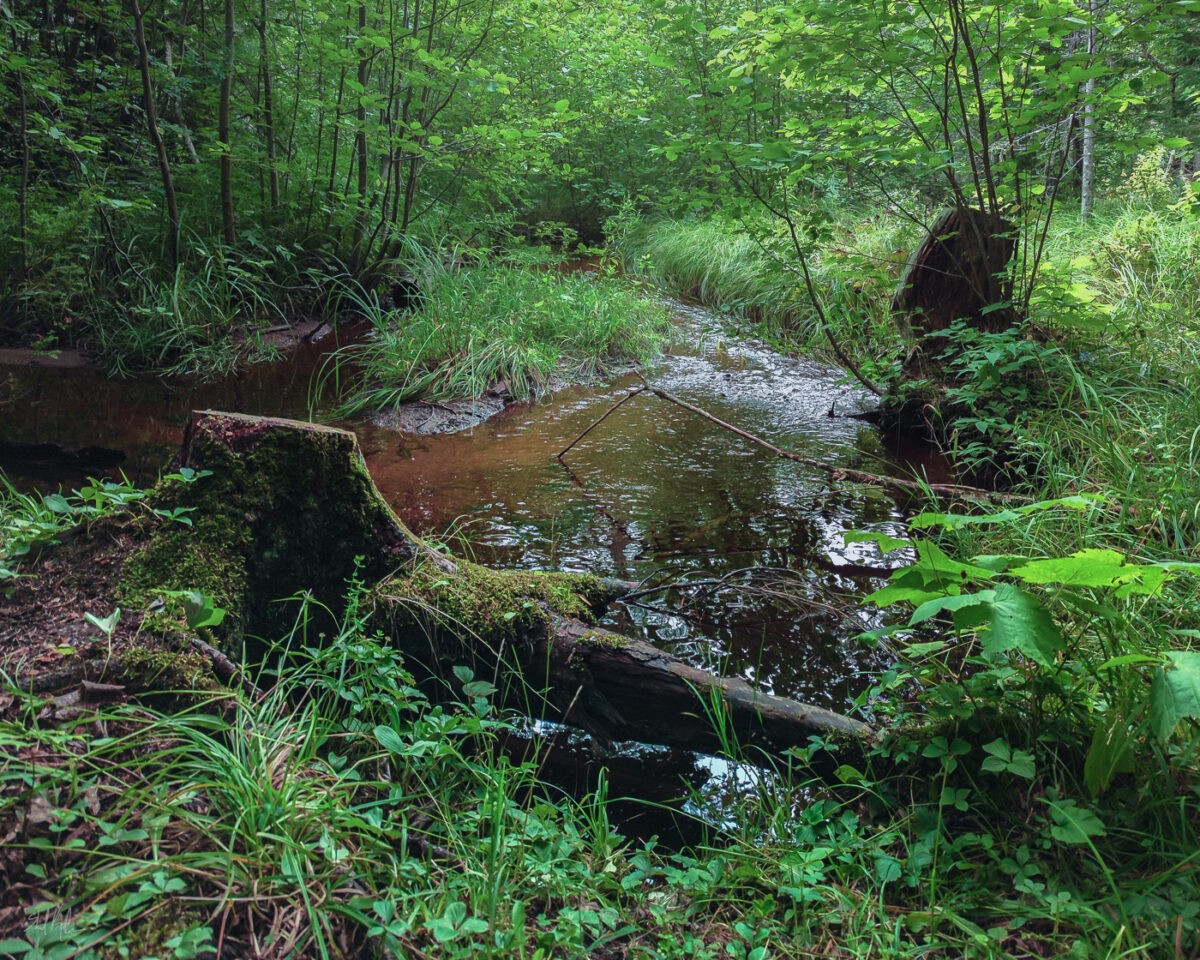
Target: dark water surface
[(653, 494)]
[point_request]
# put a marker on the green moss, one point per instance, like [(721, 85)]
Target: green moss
[(173, 680), (211, 558), (604, 638), (285, 509), (477, 602)]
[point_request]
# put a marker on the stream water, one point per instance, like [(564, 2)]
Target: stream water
[(653, 494)]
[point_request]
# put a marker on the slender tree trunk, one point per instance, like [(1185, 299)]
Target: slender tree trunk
[(177, 103), (359, 255), (23, 186), (223, 134), (268, 110), (301, 57), (336, 138), (316, 168), (160, 148), (1087, 173)]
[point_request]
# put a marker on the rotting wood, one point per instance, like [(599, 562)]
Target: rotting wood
[(836, 472), (957, 272), (289, 509)]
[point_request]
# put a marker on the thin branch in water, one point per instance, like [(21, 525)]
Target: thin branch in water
[(836, 472), (603, 417)]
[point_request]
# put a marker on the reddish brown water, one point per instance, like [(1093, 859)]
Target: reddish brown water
[(655, 493)]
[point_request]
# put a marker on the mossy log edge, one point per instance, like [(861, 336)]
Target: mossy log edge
[(289, 507)]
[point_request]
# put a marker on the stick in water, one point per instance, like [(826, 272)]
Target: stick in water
[(951, 489), (596, 423)]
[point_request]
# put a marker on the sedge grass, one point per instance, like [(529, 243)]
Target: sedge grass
[(487, 325)]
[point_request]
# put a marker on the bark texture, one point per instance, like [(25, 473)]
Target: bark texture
[(957, 273)]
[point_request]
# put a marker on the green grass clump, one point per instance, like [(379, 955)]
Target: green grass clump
[(484, 325)]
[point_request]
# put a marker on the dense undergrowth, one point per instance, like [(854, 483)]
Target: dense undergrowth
[(344, 814), (1038, 794)]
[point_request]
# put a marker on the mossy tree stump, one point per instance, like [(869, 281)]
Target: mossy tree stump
[(288, 508)]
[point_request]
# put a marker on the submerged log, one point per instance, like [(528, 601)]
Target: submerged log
[(289, 507)]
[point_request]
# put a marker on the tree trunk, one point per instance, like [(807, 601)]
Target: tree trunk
[(223, 133), (268, 93), (23, 185), (177, 102), (358, 255), (1087, 172), (958, 272), (160, 148)]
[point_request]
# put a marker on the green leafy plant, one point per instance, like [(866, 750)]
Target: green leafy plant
[(1041, 635)]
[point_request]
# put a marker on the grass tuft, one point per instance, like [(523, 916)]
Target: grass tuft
[(504, 326)]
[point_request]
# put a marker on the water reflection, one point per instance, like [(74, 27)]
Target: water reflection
[(656, 493)]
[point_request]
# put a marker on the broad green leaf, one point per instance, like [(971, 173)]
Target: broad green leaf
[(1073, 823), (389, 739), (886, 543), (945, 569), (105, 624), (1145, 580), (1087, 568), (1002, 758), (955, 521), (1021, 623), (1175, 692), (897, 593), (887, 869), (933, 607)]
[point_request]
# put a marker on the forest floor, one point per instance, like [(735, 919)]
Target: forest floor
[(1044, 805)]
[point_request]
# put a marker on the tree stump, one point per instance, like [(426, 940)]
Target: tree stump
[(958, 272)]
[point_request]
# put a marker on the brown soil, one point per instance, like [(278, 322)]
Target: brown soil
[(44, 636)]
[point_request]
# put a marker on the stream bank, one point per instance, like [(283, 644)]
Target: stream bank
[(653, 495)]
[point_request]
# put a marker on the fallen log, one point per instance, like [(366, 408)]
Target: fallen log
[(613, 686), (283, 509)]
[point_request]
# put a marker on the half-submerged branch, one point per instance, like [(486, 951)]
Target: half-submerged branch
[(835, 471)]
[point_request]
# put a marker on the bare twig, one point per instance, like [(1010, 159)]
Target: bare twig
[(595, 423), (836, 472), (226, 669)]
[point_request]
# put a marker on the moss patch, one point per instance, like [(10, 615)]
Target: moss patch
[(477, 603), (286, 508), (603, 638), (156, 669)]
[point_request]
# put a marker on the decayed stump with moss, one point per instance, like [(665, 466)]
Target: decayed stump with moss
[(283, 509)]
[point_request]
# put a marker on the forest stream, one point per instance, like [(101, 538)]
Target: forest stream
[(654, 494)]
